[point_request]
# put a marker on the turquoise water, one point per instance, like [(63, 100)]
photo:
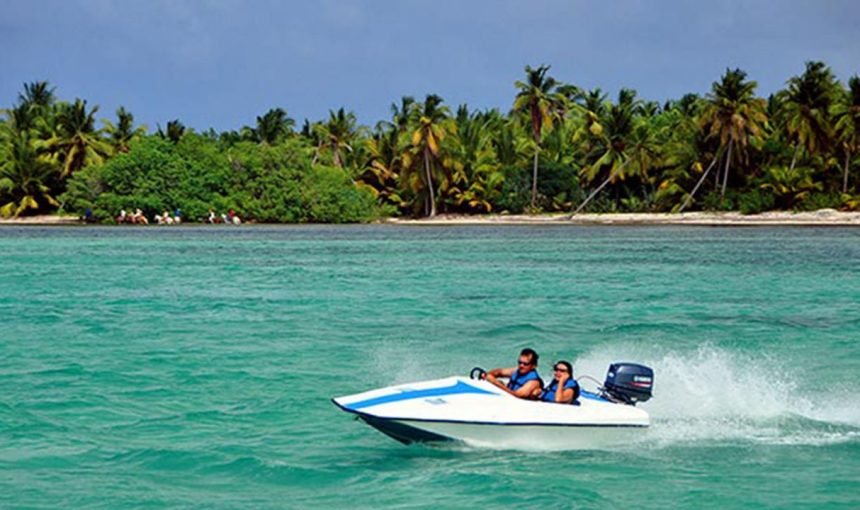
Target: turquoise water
[(193, 367)]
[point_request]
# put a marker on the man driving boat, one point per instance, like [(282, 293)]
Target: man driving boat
[(523, 380)]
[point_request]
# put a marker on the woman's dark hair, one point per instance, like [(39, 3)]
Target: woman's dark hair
[(567, 365)]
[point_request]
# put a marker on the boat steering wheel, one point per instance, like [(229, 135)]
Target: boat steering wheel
[(477, 373)]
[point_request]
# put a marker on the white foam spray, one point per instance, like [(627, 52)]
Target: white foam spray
[(711, 395)]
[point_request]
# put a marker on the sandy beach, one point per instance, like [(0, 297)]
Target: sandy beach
[(45, 219), (823, 217)]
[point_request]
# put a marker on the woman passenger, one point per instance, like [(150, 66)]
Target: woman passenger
[(563, 389)]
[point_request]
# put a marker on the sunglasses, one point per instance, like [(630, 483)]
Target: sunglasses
[(560, 369), (524, 363)]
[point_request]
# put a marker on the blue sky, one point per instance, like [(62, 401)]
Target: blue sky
[(220, 63)]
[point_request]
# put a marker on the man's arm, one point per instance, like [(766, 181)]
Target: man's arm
[(528, 391), (495, 373)]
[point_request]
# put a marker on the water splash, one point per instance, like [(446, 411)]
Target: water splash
[(710, 395)]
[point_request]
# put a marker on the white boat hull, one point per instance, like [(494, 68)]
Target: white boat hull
[(480, 414)]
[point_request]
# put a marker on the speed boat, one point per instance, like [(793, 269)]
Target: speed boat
[(478, 413)]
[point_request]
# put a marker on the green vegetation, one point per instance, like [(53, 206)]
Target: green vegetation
[(560, 148)]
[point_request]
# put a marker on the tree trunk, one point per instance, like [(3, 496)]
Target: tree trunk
[(726, 172), (845, 172), (535, 177), (595, 192), (718, 177), (429, 178), (701, 180), (336, 155), (794, 158)]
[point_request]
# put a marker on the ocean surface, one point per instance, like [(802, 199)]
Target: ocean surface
[(193, 367)]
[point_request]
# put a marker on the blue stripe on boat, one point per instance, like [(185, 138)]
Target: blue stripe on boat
[(458, 388), (592, 396)]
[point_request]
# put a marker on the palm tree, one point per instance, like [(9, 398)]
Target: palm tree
[(807, 103), (610, 142), (24, 177), (542, 103), (336, 135), (123, 132), (570, 93), (734, 115), (38, 100), (272, 126), (34, 109), (400, 114), (847, 115), (513, 145), (477, 178), (649, 108), (789, 186), (689, 105), (557, 148), (430, 123), (592, 107), (386, 149), (646, 149), (77, 142), (609, 137), (174, 132), (384, 165), (37, 94), (686, 149), (20, 118)]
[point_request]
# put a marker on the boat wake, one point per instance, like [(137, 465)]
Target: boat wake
[(710, 396)]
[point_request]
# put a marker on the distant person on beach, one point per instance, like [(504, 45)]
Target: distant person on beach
[(164, 218), (211, 218), (523, 380), (233, 218), (177, 216), (563, 389), (139, 218)]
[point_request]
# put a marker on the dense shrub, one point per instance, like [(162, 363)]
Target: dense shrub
[(515, 195), (558, 187), (152, 176), (330, 197), (260, 182), (713, 201), (755, 201), (635, 204), (601, 204), (816, 201)]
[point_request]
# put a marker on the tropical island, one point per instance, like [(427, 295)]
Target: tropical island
[(560, 151)]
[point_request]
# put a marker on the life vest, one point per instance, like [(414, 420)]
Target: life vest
[(517, 379), (548, 394)]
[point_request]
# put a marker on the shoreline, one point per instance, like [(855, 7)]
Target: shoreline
[(823, 217)]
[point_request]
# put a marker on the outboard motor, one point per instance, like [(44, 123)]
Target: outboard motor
[(628, 383)]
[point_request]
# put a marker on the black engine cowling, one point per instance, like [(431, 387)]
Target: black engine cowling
[(629, 383)]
